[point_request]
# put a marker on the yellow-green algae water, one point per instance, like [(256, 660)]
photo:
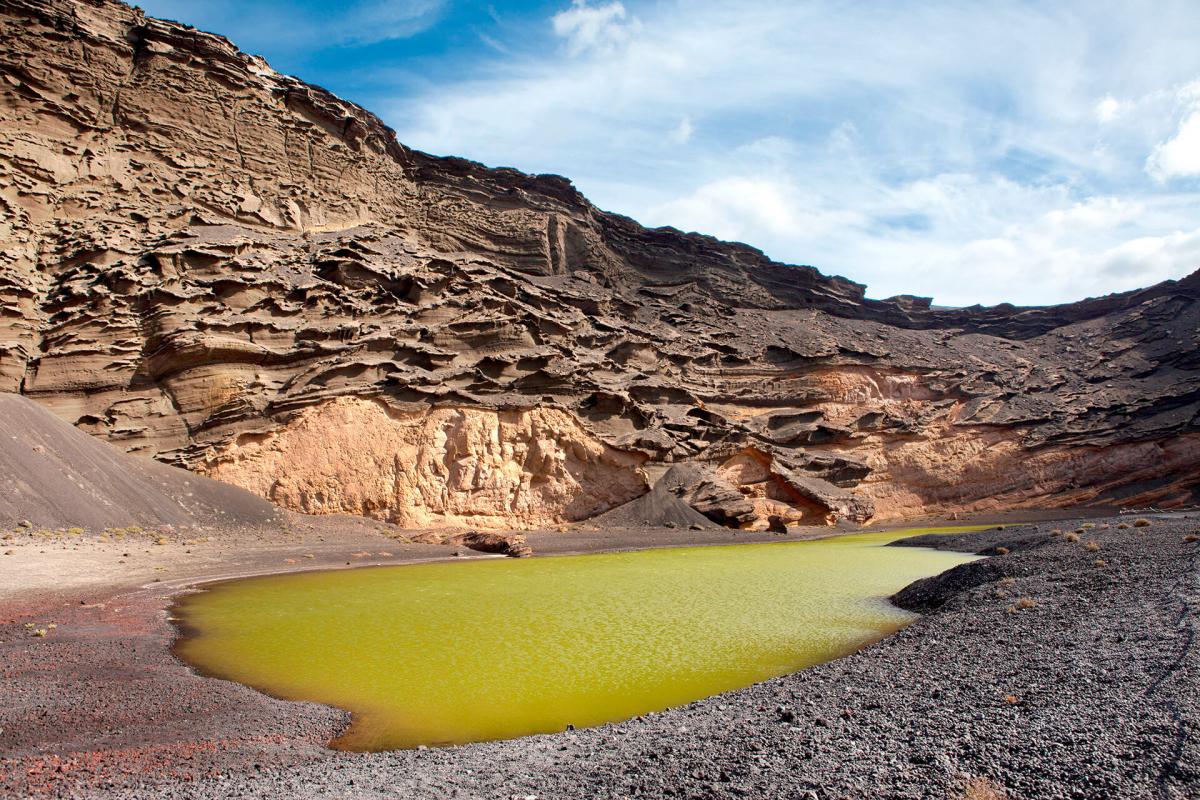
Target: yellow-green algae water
[(446, 653)]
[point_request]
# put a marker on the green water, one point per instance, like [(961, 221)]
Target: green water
[(458, 652)]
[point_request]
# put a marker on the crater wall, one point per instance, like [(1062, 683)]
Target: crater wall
[(208, 263)]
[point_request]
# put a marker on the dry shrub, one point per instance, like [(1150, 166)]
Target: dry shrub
[(1087, 526), (1072, 537), (1121, 526), (1092, 547), (1191, 537), (1100, 562), (983, 789), (1024, 603), (1142, 522), (1006, 582), (1002, 551), (1056, 532)]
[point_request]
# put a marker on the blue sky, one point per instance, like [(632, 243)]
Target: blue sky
[(974, 152)]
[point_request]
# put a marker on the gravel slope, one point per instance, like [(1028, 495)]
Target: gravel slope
[(1090, 693), (53, 474)]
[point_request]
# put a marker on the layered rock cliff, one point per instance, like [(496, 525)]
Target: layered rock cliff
[(224, 268)]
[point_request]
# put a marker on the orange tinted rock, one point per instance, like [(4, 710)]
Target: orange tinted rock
[(435, 467)]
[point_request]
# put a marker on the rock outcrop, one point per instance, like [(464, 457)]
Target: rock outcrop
[(436, 467), (223, 268), (512, 545)]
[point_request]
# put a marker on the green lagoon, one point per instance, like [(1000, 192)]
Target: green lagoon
[(453, 652)]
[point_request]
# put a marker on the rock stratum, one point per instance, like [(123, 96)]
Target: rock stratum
[(224, 268)]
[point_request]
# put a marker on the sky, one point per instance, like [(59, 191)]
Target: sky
[(973, 152)]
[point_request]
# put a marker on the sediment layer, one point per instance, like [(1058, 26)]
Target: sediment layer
[(201, 253)]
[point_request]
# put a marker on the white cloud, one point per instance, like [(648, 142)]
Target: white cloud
[(1108, 108), (374, 21), (594, 28), (750, 209), (1095, 213), (1157, 257), (286, 26), (938, 166), (683, 131), (956, 237), (1179, 156)]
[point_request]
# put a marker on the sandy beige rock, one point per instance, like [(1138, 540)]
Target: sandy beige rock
[(435, 467)]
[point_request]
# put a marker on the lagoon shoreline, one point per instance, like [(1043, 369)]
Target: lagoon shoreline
[(1091, 692)]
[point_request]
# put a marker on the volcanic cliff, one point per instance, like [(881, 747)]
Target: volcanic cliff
[(227, 269)]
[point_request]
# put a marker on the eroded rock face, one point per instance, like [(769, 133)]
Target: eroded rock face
[(434, 467), (203, 258)]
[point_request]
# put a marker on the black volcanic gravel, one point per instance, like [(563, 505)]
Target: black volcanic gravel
[(1092, 692)]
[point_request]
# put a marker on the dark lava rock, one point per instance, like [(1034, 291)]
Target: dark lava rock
[(929, 594), (983, 543)]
